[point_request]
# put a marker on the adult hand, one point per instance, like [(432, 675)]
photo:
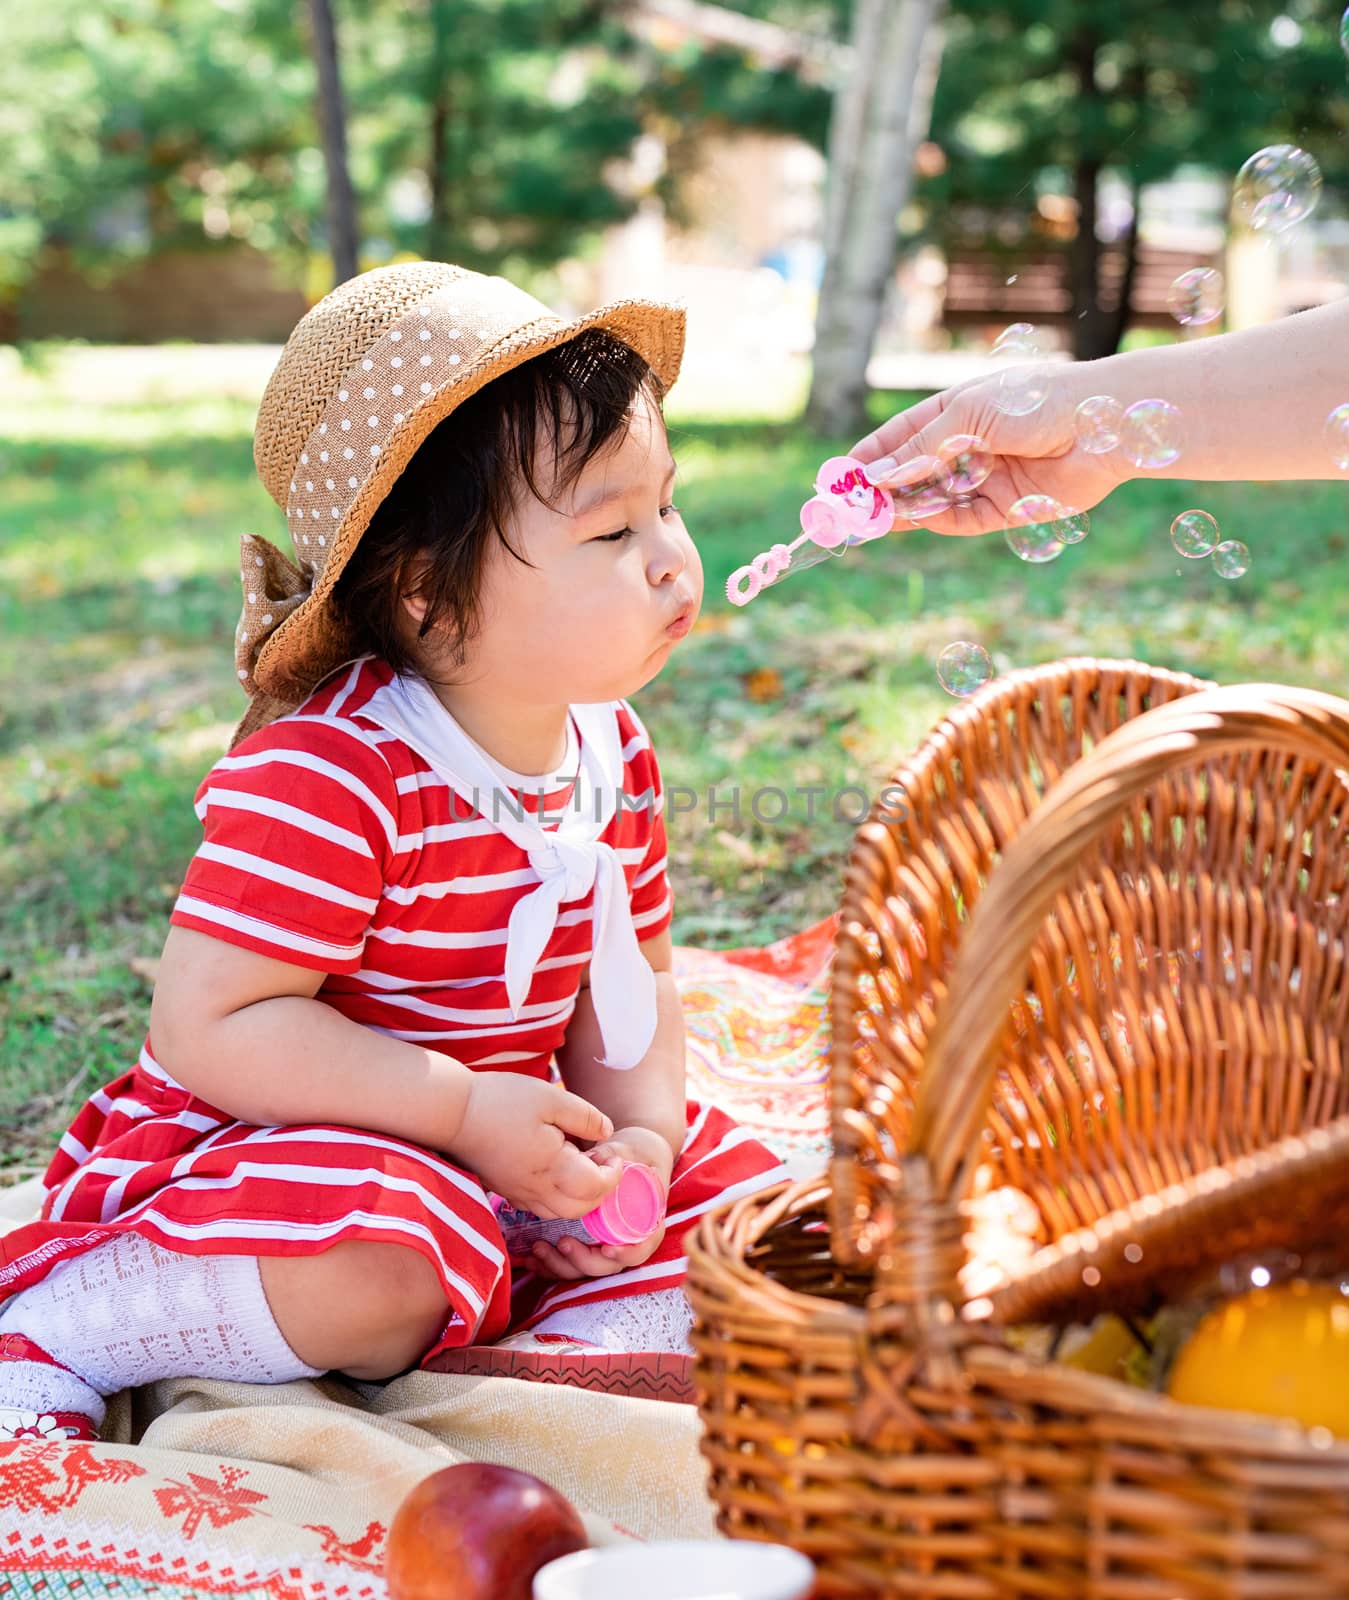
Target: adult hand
[(1034, 454), (1255, 405), (514, 1135)]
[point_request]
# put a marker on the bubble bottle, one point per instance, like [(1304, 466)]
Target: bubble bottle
[(629, 1213)]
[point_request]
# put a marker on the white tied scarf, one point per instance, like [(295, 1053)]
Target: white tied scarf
[(569, 861)]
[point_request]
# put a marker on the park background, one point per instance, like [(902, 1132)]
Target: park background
[(851, 196)]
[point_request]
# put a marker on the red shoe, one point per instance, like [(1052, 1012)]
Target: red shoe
[(46, 1425), (16, 1424)]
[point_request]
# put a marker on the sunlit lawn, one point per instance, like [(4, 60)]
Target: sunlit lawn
[(126, 485)]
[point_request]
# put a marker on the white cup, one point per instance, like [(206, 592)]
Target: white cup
[(679, 1569)]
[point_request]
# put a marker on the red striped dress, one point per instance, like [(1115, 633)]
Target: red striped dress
[(330, 843)]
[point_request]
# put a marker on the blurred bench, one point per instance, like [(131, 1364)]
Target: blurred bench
[(978, 293)]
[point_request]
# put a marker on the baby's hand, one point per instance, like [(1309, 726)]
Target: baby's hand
[(571, 1258), (514, 1137)]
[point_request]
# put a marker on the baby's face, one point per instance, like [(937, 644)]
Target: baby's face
[(613, 566)]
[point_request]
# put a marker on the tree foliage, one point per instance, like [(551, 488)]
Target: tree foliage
[(493, 131), (483, 131), (1173, 85), (1041, 96)]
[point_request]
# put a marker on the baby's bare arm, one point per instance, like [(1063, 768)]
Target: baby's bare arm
[(652, 1094), (246, 1033)]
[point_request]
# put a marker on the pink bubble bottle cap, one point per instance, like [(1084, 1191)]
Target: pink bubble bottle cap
[(631, 1211)]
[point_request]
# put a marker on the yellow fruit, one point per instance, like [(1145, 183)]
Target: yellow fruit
[(1281, 1351), (1105, 1347)]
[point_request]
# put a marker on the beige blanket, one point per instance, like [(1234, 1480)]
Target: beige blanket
[(225, 1480), (201, 1488)]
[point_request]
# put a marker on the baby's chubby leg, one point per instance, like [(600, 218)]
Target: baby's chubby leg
[(129, 1312), (362, 1307)]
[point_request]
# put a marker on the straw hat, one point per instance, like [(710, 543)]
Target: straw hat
[(367, 373)]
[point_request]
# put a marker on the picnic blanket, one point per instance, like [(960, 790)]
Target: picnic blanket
[(201, 1488)]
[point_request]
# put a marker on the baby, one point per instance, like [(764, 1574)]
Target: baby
[(422, 954)]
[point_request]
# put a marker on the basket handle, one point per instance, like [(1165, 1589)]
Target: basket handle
[(956, 1086)]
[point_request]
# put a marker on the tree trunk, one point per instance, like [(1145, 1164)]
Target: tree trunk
[(1118, 324), (333, 126), (1088, 326), (1090, 322), (1100, 332), (881, 112), (1137, 87)]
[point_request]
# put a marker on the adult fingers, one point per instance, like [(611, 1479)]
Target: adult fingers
[(984, 511), (959, 414), (895, 433), (966, 519), (918, 430)]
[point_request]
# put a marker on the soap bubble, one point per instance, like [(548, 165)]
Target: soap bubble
[(1022, 389), (1020, 334), (963, 667), (1037, 529), (1152, 434), (1194, 534), (1074, 526), (1016, 350), (1097, 423), (968, 460), (1231, 558), (1344, 33), (921, 488), (1018, 344), (1196, 297), (1337, 431), (1277, 188), (1036, 543)]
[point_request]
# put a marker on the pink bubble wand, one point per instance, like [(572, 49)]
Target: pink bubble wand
[(846, 509)]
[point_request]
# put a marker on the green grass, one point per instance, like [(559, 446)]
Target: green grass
[(124, 487)]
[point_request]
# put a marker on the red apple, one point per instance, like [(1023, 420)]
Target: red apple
[(477, 1532)]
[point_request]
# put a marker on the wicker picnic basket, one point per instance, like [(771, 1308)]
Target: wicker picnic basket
[(1096, 954)]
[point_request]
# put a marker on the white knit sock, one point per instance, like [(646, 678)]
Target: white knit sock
[(128, 1312)]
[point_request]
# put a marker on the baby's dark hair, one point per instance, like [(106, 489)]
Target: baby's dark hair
[(457, 491)]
